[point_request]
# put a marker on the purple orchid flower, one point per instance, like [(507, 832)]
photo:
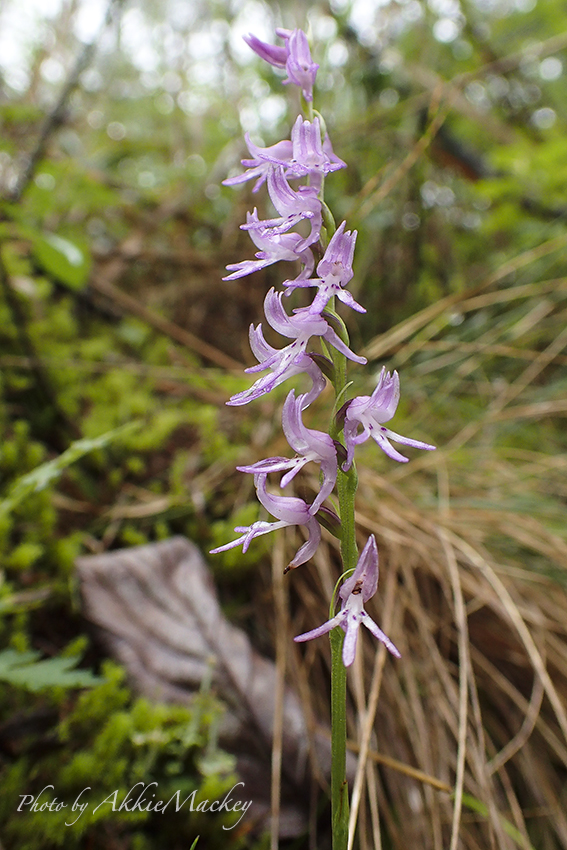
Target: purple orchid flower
[(273, 248), (354, 592), (288, 510), (295, 57), (302, 325), (293, 207), (309, 444), (334, 270), (310, 156), (292, 359), (283, 363), (303, 155), (262, 162), (371, 411), (300, 67)]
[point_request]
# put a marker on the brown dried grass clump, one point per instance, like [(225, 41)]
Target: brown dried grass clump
[(464, 741)]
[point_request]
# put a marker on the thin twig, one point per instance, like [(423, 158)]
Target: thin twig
[(127, 302), (56, 117)]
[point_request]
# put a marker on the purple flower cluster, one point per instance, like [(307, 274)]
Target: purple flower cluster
[(291, 236)]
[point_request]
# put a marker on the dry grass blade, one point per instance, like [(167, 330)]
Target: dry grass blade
[(511, 608), (464, 664), (476, 540), (516, 744), (406, 769), (398, 335), (368, 723)]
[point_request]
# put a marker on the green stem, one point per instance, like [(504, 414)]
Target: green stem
[(307, 108), (347, 482), (346, 490), (339, 787)]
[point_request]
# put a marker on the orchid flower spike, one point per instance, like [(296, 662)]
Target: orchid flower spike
[(309, 444), (354, 592), (371, 411), (288, 510)]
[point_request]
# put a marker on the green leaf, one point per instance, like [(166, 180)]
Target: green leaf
[(62, 259), (480, 808), (25, 671), (41, 476)]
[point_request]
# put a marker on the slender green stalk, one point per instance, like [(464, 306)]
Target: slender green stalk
[(346, 490), (339, 787)]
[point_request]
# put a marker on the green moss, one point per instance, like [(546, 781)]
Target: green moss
[(130, 535), (102, 738), (24, 556), (112, 742)]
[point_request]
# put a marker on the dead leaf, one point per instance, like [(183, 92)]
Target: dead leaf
[(157, 612)]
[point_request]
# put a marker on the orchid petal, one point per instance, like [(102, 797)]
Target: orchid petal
[(333, 339), (378, 633), (306, 552), (300, 67), (365, 576), (295, 57), (269, 52), (406, 441), (319, 631), (350, 625)]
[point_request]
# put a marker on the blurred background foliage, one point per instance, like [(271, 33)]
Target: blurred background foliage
[(119, 122)]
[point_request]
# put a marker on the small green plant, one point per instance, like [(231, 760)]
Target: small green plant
[(25, 670)]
